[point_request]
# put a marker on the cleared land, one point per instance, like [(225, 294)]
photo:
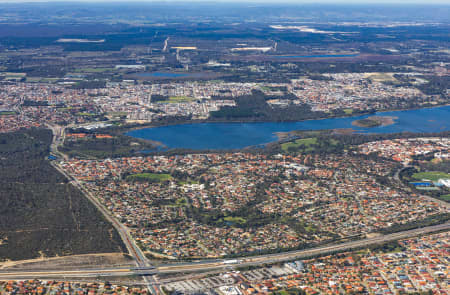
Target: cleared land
[(71, 262), (382, 77)]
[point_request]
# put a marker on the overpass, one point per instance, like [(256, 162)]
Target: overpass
[(148, 271), (139, 257)]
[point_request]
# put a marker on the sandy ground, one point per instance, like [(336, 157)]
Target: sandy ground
[(70, 262)]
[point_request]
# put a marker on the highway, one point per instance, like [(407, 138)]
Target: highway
[(148, 271), (77, 273), (133, 249), (291, 255)]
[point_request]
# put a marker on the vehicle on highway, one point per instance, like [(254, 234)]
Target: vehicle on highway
[(232, 261)]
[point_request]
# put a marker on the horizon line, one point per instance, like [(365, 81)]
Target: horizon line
[(265, 2)]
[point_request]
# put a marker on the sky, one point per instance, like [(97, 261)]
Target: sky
[(255, 1)]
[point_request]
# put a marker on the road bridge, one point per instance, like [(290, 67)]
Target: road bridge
[(148, 272)]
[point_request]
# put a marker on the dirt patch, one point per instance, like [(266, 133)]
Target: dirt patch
[(381, 77), (71, 262)]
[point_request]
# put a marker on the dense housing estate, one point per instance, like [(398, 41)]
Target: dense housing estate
[(26, 104), (197, 205), (403, 150), (93, 204), (416, 265)]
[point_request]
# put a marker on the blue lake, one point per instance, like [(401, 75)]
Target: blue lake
[(240, 135)]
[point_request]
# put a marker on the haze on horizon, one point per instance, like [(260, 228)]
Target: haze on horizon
[(406, 2)]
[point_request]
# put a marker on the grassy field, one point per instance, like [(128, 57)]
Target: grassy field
[(432, 175), (178, 99), (239, 220), (311, 229), (311, 144), (348, 111), (41, 79), (85, 114), (304, 142), (7, 113), (181, 202), (267, 88), (154, 177)]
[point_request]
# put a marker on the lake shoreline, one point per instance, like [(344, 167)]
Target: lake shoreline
[(236, 135), (126, 129)]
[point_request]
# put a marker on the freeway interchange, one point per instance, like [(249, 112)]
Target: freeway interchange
[(149, 271), (139, 257)]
